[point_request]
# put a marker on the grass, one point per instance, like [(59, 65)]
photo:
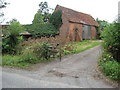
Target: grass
[(82, 46), (28, 58), (10, 60), (20, 60), (109, 66)]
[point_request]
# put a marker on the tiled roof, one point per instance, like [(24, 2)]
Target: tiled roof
[(77, 17)]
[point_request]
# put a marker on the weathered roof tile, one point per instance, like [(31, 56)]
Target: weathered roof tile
[(78, 17)]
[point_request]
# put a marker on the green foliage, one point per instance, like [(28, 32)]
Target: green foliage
[(56, 19), (102, 25), (109, 62), (12, 38), (35, 53), (45, 11), (27, 27), (84, 45), (43, 7), (42, 50), (39, 26), (111, 36), (14, 29), (32, 54), (78, 47), (109, 66), (43, 30), (38, 18), (10, 60), (28, 57), (69, 49), (9, 44)]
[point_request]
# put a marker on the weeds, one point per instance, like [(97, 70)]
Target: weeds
[(36, 52), (109, 66), (77, 47)]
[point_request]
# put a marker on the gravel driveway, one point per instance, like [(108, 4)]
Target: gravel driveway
[(74, 71)]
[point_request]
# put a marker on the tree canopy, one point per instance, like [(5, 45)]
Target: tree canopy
[(38, 18), (102, 24), (45, 10), (56, 19), (3, 4)]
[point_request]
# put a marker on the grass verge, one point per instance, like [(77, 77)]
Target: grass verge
[(20, 60), (28, 57), (109, 66), (78, 47)]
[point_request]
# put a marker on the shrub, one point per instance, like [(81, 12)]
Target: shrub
[(111, 69), (31, 54), (12, 38), (28, 57), (43, 30), (36, 51), (42, 50), (111, 36), (109, 66)]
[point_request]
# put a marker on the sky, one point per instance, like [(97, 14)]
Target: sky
[(24, 10)]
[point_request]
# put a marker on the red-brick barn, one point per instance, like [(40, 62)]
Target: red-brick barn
[(76, 25)]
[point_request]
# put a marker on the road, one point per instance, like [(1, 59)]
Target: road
[(74, 71)]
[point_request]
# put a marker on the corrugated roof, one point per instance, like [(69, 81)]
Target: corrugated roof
[(25, 33), (77, 17)]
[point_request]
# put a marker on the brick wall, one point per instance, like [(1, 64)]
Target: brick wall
[(93, 32), (65, 27), (73, 34)]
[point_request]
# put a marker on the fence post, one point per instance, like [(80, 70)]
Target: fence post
[(60, 54)]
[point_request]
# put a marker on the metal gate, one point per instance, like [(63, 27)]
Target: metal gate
[(86, 32)]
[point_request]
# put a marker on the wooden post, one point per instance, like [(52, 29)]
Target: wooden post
[(60, 54)]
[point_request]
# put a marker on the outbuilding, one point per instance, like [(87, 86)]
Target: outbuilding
[(77, 26)]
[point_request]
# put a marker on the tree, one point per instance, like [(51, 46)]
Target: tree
[(3, 4), (102, 24), (101, 27), (38, 18), (56, 19), (45, 11), (40, 25)]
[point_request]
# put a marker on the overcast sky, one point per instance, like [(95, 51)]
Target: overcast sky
[(24, 10)]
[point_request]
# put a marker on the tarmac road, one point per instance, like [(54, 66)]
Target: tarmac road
[(74, 71)]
